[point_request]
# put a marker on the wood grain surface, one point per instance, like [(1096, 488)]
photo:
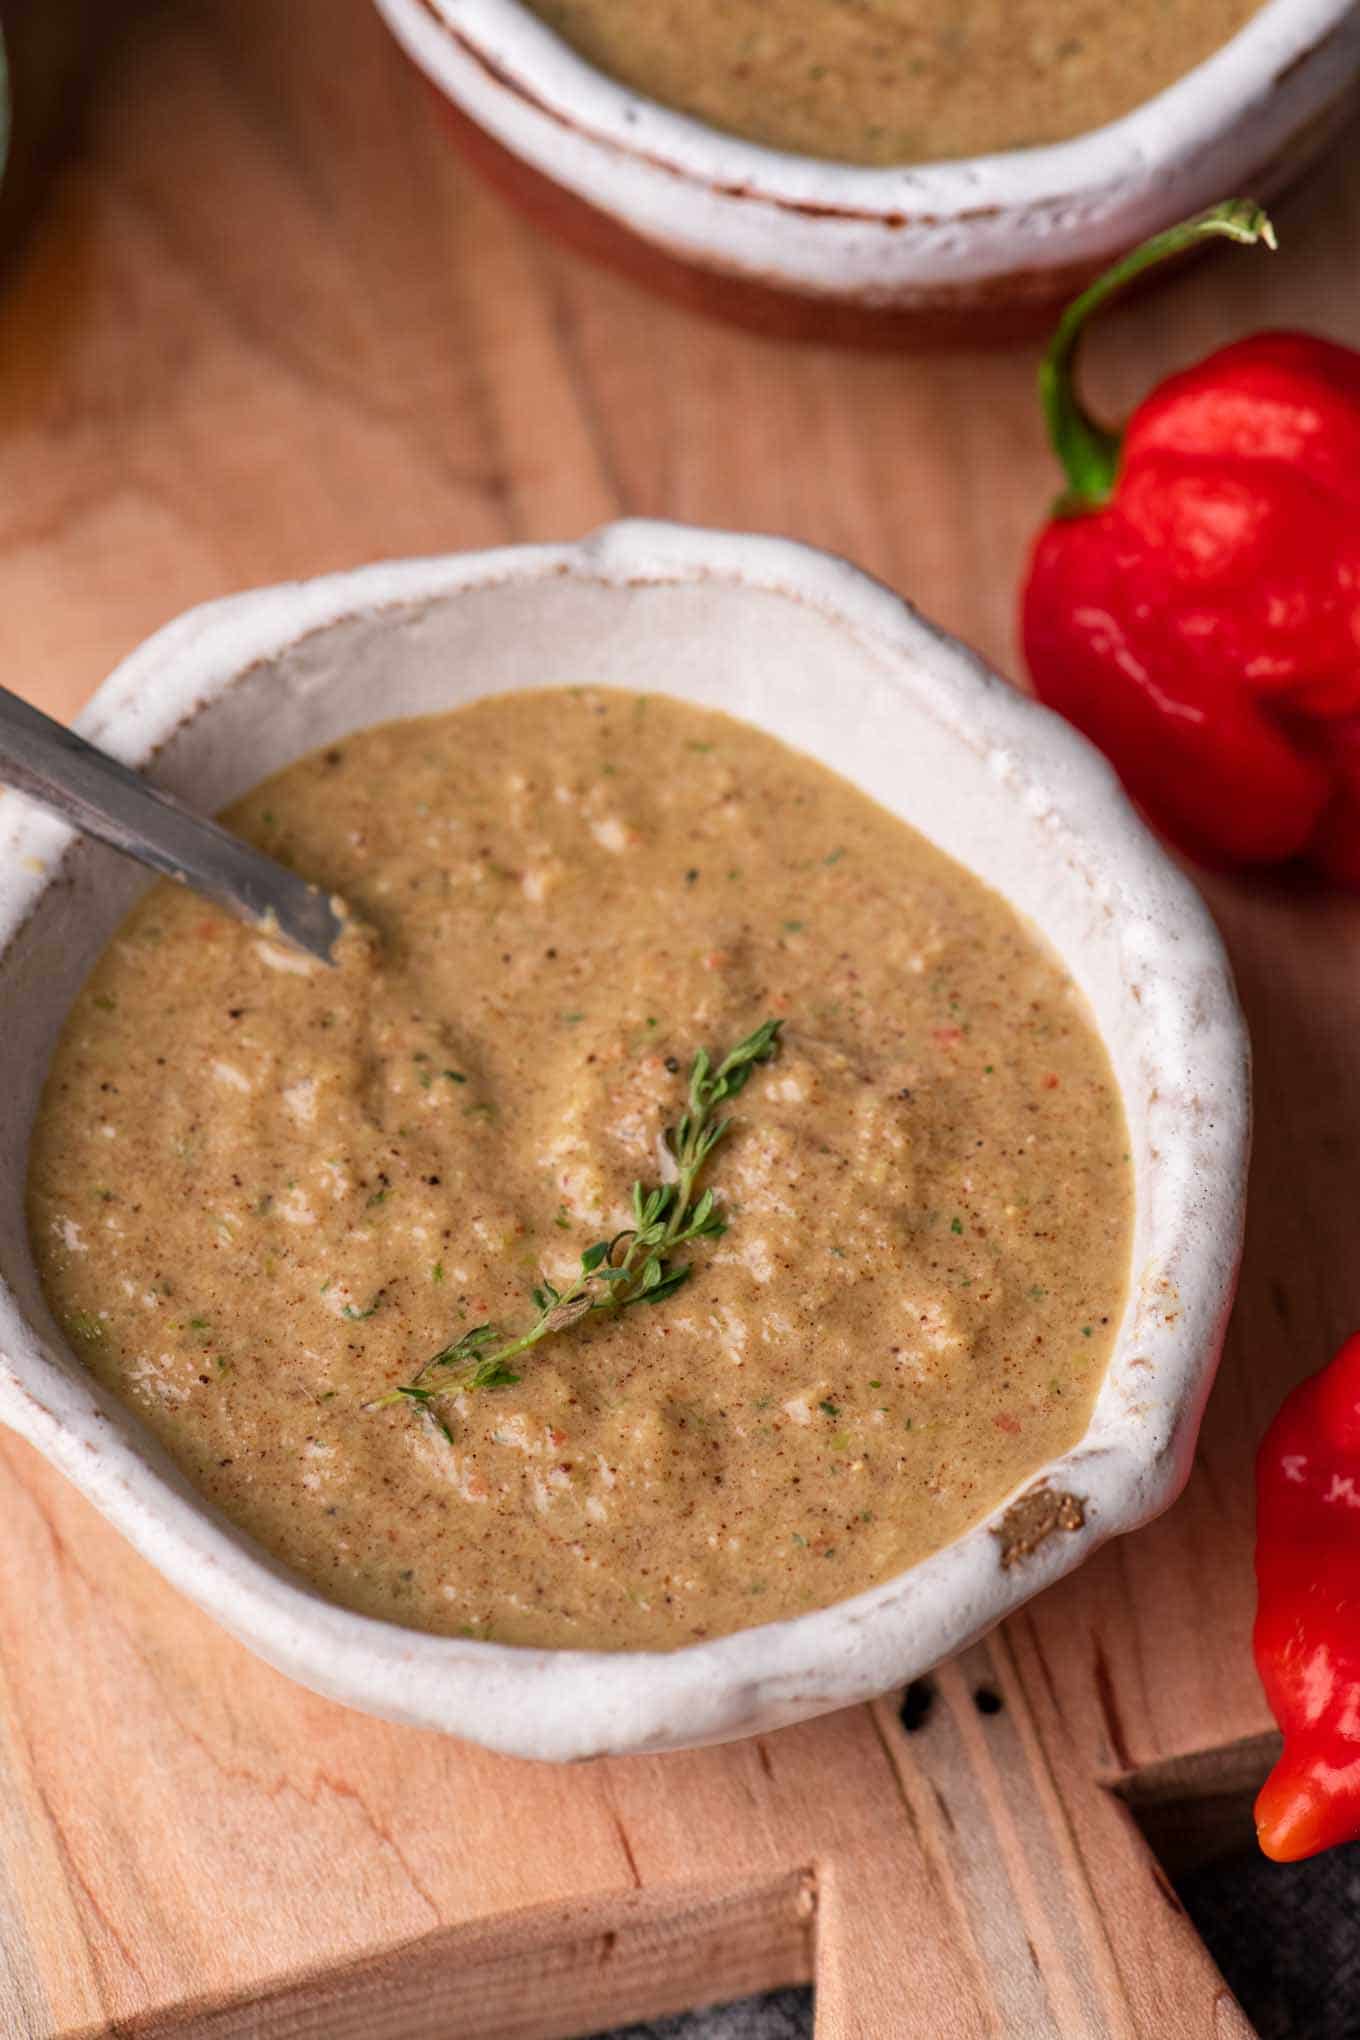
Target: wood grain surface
[(269, 326)]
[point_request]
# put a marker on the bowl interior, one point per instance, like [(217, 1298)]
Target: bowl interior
[(909, 717), (759, 654)]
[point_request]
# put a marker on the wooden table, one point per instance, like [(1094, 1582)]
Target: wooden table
[(268, 327)]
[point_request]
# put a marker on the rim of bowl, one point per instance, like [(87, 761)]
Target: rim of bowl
[(1130, 1462), (523, 55)]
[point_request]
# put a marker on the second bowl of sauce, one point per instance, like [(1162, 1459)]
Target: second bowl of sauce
[(897, 81)]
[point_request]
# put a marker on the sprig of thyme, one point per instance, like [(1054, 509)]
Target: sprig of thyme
[(632, 1267)]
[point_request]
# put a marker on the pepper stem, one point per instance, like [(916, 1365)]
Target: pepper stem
[(1089, 451)]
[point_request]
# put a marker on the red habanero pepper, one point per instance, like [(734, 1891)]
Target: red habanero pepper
[(1307, 1636), (1194, 604)]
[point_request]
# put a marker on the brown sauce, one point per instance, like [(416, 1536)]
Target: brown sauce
[(261, 1193), (898, 81)]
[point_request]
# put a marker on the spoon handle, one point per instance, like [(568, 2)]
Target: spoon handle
[(51, 764)]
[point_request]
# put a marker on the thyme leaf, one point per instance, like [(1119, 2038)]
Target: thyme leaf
[(356, 1317), (632, 1267)]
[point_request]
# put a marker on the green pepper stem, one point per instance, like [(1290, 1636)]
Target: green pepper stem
[(1088, 450)]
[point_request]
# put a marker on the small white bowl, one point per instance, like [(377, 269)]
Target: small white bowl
[(809, 648), (799, 244)]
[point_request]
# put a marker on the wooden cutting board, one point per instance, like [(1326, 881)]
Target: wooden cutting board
[(270, 327)]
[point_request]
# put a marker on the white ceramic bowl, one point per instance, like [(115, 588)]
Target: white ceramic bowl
[(807, 647), (783, 238)]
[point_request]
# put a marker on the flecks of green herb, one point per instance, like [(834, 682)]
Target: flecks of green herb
[(105, 1003), (422, 1399), (454, 1076), (630, 1268), (833, 857), (829, 1409), (794, 927), (198, 1324), (956, 1225), (561, 1221), (1086, 1331), (482, 1110), (84, 1324), (424, 1078), (692, 745), (104, 1196), (357, 1317), (437, 1272), (1037, 1293), (571, 1019)]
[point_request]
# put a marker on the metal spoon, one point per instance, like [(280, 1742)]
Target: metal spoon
[(49, 763)]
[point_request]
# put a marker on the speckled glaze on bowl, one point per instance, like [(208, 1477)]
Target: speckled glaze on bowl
[(809, 648), (971, 250)]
